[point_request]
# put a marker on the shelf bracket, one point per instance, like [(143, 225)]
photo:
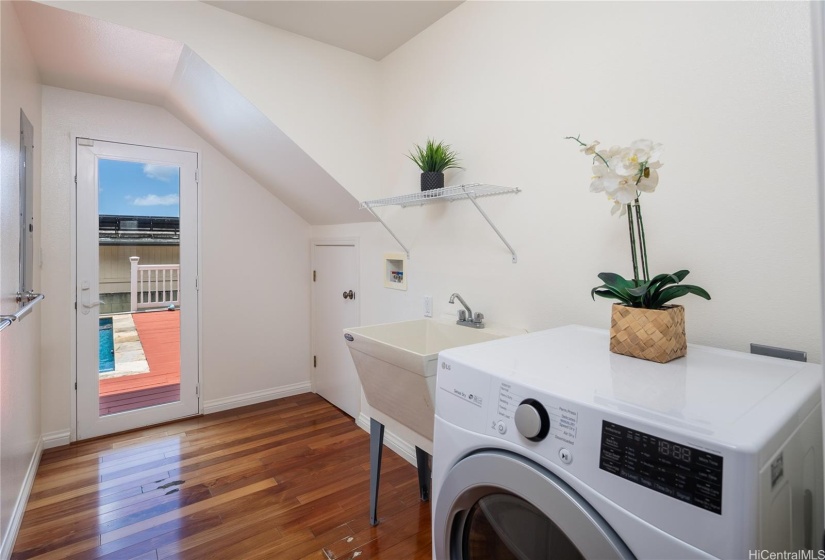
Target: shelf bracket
[(386, 227), (451, 194), (492, 225)]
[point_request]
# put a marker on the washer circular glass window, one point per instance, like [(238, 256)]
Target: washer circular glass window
[(497, 506), (505, 527)]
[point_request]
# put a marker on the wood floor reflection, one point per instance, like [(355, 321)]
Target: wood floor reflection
[(288, 479)]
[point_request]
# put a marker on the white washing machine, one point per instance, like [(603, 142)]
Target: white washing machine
[(549, 446)]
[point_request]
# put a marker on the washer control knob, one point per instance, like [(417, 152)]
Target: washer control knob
[(566, 456), (532, 420), (501, 427)]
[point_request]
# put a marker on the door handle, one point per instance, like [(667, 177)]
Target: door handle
[(349, 295), (85, 290)]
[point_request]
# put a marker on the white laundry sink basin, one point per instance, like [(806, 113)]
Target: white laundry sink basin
[(396, 363), (414, 345)]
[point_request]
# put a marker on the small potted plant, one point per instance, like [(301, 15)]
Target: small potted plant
[(643, 324), (433, 160)]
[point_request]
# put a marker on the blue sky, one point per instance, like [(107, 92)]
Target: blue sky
[(128, 188)]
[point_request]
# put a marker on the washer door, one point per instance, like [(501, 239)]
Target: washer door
[(499, 506)]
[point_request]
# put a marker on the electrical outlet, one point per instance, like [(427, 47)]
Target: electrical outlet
[(428, 306)]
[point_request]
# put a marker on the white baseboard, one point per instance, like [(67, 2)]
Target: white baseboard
[(400, 446), (256, 397), (20, 505), (56, 439)]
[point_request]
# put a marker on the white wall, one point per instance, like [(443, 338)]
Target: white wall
[(255, 331), (323, 98), (736, 203), (19, 343), (725, 86)]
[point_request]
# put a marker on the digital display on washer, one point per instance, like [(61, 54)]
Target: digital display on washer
[(670, 468)]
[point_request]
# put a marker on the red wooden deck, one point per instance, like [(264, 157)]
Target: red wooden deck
[(159, 333)]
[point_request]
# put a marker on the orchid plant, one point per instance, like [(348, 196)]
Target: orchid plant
[(623, 174)]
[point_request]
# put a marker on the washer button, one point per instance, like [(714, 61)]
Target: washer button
[(566, 456), (501, 427)]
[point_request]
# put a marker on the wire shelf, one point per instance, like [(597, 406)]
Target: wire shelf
[(469, 192), (449, 194)]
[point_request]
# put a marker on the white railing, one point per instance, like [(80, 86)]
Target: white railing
[(154, 285)]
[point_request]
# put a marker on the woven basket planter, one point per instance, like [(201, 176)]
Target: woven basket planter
[(657, 335)]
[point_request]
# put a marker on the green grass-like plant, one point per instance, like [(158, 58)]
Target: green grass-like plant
[(653, 294), (434, 157)]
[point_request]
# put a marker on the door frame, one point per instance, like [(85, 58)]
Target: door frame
[(331, 241), (818, 34), (72, 381)]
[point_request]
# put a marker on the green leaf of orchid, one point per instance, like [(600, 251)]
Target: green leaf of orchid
[(673, 292), (661, 281), (640, 290), (681, 274), (616, 281), (607, 294), (613, 278), (615, 293)]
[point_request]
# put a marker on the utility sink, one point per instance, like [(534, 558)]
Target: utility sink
[(396, 363)]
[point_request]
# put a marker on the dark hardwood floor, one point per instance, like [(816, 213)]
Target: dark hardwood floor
[(287, 479)]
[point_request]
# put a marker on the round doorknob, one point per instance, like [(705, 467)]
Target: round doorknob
[(349, 295)]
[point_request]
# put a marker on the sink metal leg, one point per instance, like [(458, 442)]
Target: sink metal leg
[(423, 463), (376, 448)]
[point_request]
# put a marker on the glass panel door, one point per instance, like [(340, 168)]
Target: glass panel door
[(137, 299)]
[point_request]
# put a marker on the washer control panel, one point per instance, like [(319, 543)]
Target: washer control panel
[(535, 420), (670, 468), (544, 424)]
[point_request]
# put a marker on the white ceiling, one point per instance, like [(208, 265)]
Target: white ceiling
[(372, 28), (77, 52)]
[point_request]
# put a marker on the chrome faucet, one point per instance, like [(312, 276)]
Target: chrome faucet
[(466, 317)]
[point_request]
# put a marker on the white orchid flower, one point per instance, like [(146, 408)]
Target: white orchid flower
[(619, 188), (628, 163), (618, 207), (600, 169), (619, 172), (648, 184), (652, 150), (622, 174), (590, 149)]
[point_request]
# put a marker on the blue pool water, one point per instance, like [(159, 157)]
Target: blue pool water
[(106, 352)]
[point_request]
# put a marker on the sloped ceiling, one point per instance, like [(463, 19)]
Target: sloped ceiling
[(85, 54), (77, 52), (372, 28)]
